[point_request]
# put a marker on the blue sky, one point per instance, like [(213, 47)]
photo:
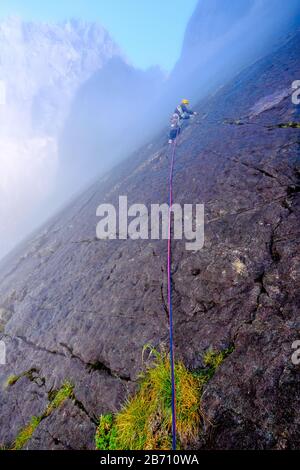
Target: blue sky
[(149, 31)]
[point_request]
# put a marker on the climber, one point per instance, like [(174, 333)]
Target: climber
[(183, 110), (181, 113), (175, 128)]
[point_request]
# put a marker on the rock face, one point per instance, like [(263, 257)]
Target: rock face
[(82, 309)]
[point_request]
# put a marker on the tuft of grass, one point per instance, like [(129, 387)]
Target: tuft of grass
[(212, 360), (58, 397), (145, 422), (286, 125), (237, 122), (31, 374), (26, 433), (106, 433), (56, 400), (12, 380), (292, 124)]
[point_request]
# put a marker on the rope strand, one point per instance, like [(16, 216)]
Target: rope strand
[(172, 362)]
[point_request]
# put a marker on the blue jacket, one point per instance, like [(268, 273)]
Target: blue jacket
[(183, 111)]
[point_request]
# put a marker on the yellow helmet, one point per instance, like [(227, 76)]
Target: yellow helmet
[(185, 101)]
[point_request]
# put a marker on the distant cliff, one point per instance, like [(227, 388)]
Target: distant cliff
[(108, 119), (45, 69)]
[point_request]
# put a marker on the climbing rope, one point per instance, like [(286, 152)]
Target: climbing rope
[(169, 270)]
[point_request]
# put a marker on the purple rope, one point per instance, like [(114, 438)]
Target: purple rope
[(172, 362)]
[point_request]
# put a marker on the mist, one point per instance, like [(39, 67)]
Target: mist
[(107, 120), (73, 106)]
